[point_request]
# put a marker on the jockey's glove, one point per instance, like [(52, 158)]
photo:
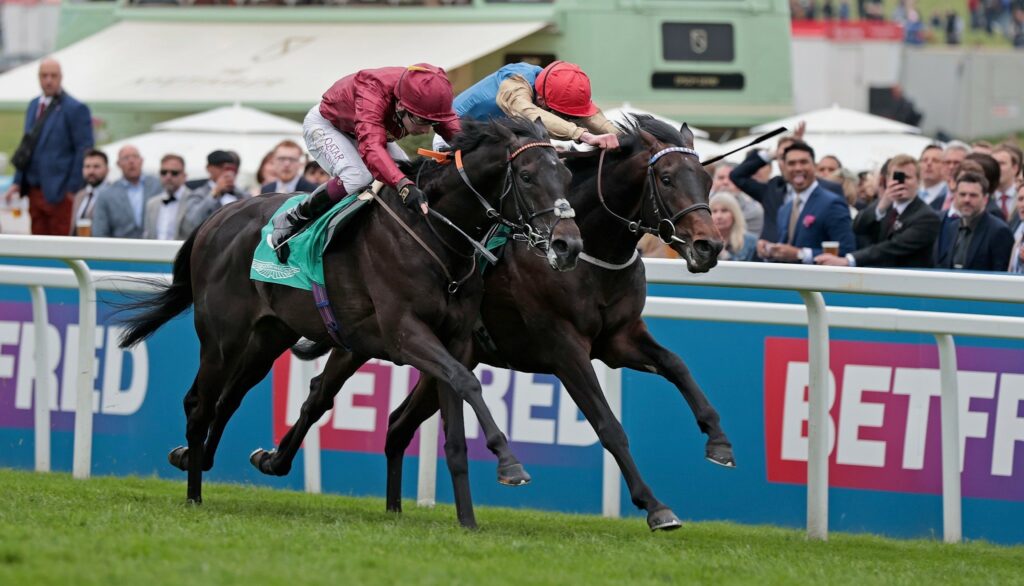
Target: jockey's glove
[(412, 196)]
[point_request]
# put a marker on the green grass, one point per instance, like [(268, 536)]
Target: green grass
[(55, 530), (969, 38)]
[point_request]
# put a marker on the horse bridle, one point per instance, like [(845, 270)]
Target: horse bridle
[(666, 226), (523, 229)]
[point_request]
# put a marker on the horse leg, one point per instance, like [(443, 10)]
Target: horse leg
[(200, 408), (257, 359), (425, 352), (577, 374), (456, 456), (340, 367), (634, 347), (402, 425)]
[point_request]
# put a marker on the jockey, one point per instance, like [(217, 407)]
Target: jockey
[(352, 131), (558, 94)]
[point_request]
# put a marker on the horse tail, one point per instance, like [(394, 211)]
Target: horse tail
[(309, 350), (169, 300)]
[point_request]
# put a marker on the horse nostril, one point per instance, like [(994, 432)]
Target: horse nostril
[(703, 247), (561, 247)]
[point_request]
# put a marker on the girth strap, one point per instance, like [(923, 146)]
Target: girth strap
[(323, 306)]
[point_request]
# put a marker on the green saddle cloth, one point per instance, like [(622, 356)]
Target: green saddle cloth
[(305, 264)]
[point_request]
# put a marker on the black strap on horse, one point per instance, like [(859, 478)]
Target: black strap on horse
[(665, 229)]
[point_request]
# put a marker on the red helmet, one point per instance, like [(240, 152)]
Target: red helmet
[(424, 91), (566, 89)]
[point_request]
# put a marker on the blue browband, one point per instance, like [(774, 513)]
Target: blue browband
[(662, 153)]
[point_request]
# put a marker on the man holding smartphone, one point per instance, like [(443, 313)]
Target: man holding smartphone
[(899, 227)]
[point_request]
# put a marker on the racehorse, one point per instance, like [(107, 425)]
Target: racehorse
[(557, 323), (392, 289)]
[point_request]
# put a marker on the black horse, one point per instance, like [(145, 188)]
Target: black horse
[(393, 293), (557, 323)]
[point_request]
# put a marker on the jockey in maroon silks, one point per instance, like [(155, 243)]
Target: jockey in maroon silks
[(351, 133)]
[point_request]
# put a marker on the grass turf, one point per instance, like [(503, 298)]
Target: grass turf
[(55, 530)]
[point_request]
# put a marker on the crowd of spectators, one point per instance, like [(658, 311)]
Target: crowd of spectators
[(957, 206), (1002, 18), (71, 192)]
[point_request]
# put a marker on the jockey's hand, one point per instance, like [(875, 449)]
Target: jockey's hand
[(413, 196), (604, 141)]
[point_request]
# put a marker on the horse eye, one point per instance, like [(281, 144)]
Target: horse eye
[(525, 177), (666, 180)]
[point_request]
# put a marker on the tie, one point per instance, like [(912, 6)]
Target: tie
[(960, 247), (1004, 201), (890, 221), (84, 212), (42, 108), (793, 215), (948, 202)]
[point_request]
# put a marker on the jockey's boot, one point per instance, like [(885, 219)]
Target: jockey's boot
[(294, 220)]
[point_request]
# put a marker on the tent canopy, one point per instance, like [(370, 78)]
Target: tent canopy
[(270, 64), (836, 120)]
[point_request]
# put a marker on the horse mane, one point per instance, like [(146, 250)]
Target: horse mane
[(475, 134), (630, 142)]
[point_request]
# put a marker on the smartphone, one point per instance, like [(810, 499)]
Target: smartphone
[(899, 176)]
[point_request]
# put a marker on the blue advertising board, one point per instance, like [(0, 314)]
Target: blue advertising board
[(884, 463)]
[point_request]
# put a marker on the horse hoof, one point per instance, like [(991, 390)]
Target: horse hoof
[(663, 520), (260, 459), (513, 475), (720, 454), (179, 458)]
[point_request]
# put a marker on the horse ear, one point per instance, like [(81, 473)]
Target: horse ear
[(503, 131), (687, 135), (650, 142), (541, 128)]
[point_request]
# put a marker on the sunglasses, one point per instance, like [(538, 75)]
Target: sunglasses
[(171, 172), (418, 121)]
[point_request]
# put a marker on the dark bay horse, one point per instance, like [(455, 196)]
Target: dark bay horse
[(557, 323), (392, 299)]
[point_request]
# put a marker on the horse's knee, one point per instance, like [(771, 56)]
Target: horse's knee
[(613, 437)]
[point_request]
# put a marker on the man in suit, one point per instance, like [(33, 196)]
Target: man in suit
[(219, 190), (753, 212), (1005, 195), (954, 155), (976, 240), (164, 212), (94, 172), (287, 161), (933, 187), (897, 230), (773, 193), (54, 171), (811, 216), (119, 206)]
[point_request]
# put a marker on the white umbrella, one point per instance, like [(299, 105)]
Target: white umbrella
[(235, 119), (250, 133), (836, 120), (856, 152)]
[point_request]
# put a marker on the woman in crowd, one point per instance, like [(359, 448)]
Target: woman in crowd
[(728, 218)]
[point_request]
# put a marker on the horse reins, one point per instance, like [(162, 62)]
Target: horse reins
[(666, 229), (561, 209)]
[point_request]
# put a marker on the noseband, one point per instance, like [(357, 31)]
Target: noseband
[(666, 220)]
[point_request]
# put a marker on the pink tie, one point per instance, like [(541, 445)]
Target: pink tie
[(42, 108)]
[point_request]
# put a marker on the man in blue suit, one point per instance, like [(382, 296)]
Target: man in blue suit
[(811, 216), (54, 171)]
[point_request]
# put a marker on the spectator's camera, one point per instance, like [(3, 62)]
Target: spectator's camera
[(899, 176)]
